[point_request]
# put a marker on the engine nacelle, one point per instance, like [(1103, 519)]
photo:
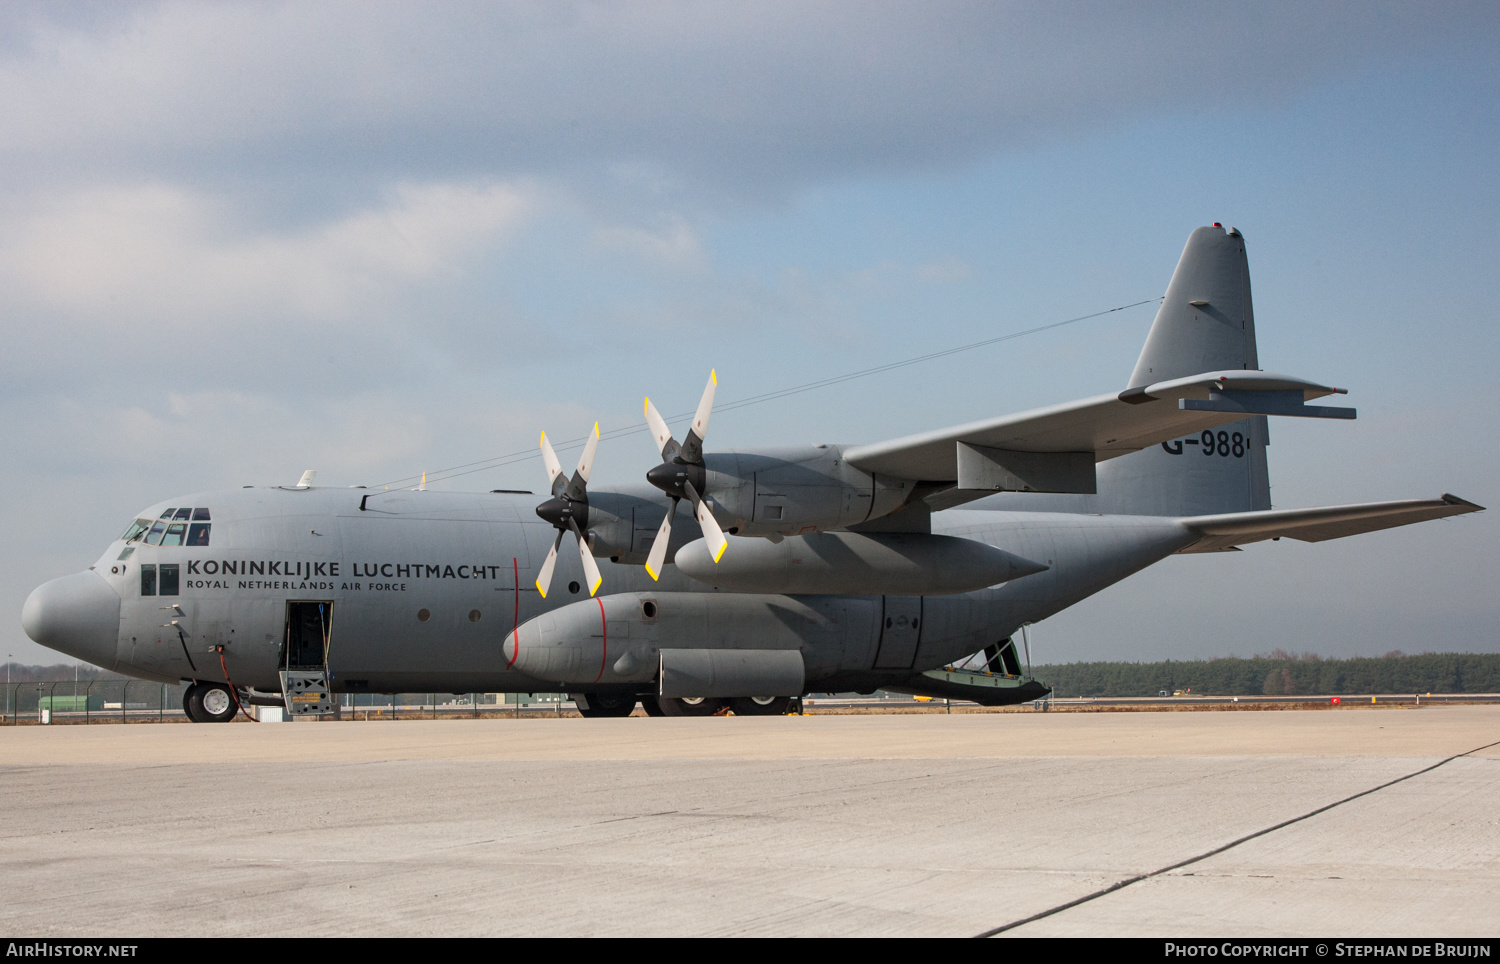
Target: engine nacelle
[(891, 563), (793, 491)]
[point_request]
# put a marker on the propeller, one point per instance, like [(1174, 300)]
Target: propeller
[(682, 475), (568, 510)]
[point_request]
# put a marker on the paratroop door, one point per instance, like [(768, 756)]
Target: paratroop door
[(900, 632)]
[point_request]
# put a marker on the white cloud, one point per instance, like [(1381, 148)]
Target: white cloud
[(674, 245), (176, 256), (946, 272)]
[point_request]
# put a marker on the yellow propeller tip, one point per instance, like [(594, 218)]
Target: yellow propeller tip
[(596, 430), (595, 587), (720, 554), (540, 589), (652, 573), (713, 375)]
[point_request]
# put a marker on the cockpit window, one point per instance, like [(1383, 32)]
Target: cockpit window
[(168, 582), (183, 514), (137, 529), (198, 534), (175, 533), (200, 515), (168, 513), (153, 537)]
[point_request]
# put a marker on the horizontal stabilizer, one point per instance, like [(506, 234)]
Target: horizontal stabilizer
[(995, 450), (1221, 532), (1261, 403)]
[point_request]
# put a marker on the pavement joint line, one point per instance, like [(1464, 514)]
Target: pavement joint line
[(1122, 884)]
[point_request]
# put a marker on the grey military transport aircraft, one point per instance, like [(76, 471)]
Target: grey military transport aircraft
[(818, 568)]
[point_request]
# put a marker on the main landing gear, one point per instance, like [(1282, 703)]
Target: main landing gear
[(594, 705), (761, 705), (209, 703), (689, 706)]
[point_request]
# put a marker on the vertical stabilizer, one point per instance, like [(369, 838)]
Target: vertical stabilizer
[(1206, 323)]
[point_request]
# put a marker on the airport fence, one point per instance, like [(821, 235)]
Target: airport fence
[(105, 701)]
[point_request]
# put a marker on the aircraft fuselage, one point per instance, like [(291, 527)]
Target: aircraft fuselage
[(434, 591)]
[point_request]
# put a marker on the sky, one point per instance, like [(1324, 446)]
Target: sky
[(241, 240)]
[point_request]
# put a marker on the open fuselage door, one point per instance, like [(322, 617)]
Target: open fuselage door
[(304, 657)]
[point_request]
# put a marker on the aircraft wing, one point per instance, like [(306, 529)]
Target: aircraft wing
[(1054, 449), (1222, 532)]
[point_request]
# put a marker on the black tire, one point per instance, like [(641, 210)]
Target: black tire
[(692, 706), (215, 703), (761, 705), (651, 706), (601, 706), (191, 708)]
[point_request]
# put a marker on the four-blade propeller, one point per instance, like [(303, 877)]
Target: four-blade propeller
[(568, 510), (682, 475)]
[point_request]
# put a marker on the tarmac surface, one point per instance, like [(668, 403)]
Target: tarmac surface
[(1350, 822)]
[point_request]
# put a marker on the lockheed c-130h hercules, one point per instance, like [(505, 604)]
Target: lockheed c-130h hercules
[(820, 568)]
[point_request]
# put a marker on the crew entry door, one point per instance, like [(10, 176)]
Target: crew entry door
[(304, 662), (900, 632)]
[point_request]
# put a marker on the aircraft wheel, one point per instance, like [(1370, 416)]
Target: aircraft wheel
[(606, 706), (191, 707), (689, 706), (761, 705), (215, 704), (651, 706)]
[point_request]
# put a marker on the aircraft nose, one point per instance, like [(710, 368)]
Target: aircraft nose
[(78, 615)]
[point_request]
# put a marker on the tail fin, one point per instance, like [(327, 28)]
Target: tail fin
[(1206, 323)]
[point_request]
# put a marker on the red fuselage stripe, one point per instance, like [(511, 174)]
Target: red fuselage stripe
[(516, 628), (604, 631)]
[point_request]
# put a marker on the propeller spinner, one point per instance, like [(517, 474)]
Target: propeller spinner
[(568, 510), (682, 475)]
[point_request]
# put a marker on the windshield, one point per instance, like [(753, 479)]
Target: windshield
[(169, 530)]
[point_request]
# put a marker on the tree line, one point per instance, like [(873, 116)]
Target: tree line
[(1280, 673)]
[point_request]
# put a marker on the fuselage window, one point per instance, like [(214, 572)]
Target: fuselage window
[(198, 534), (200, 515), (169, 580), (183, 514), (154, 537), (148, 580), (174, 535), (137, 529)]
